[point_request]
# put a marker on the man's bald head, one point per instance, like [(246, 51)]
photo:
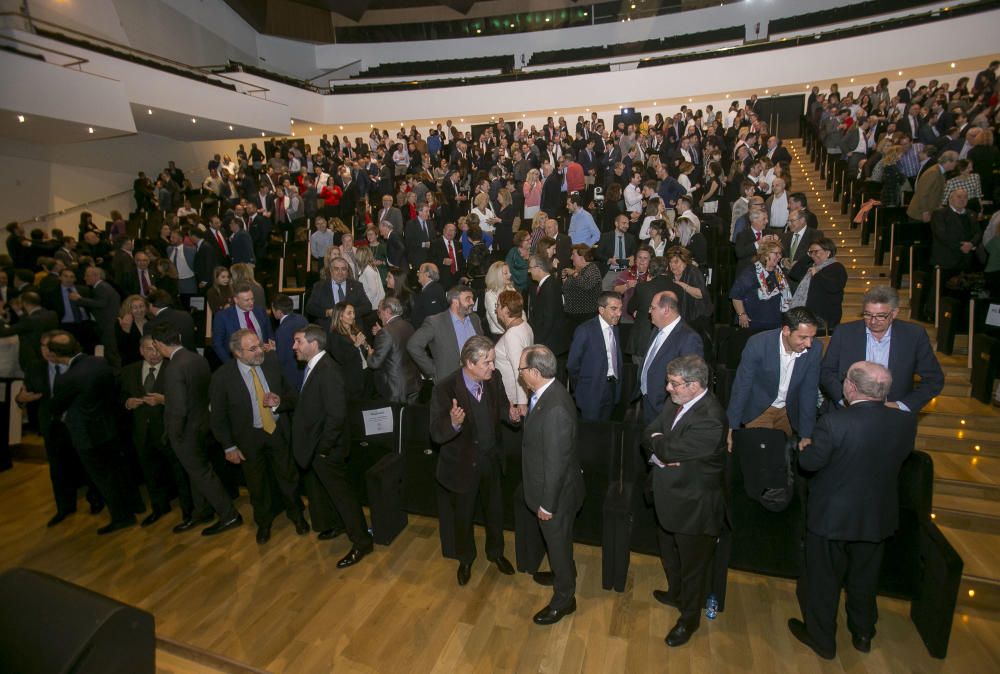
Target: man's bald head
[(867, 381)]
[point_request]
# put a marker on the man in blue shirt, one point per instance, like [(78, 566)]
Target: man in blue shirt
[(582, 228)]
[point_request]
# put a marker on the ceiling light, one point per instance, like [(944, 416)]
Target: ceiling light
[(511, 25), (952, 65), (522, 114), (727, 95), (90, 129), (20, 118), (586, 13)]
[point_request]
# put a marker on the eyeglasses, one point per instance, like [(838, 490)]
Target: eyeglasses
[(678, 384), (814, 251), (867, 315), (526, 367)]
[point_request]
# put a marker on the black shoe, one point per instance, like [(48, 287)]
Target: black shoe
[(189, 522), (543, 578), (799, 631), (863, 644), (221, 526), (680, 634), (329, 534), (664, 597), (503, 565), (464, 573), (59, 517), (301, 526), (355, 555), (153, 517), (116, 526), (550, 616), (263, 534), (96, 507)]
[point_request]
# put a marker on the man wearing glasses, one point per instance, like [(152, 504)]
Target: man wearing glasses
[(900, 346)]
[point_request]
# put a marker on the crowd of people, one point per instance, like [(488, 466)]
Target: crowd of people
[(491, 270)]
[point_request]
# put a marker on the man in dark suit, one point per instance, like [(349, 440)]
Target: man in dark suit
[(616, 248), (642, 299), (240, 244), (564, 244), (447, 256), (900, 346), (595, 360), (455, 198), (162, 311), (431, 298), (218, 237), (395, 249), (552, 200), (391, 214), (911, 122), (185, 416), (444, 335), (259, 227), (418, 235), (748, 240), (103, 303), (84, 397), (853, 506), (142, 387), (337, 288), (240, 315), (251, 402), (206, 258), (289, 323), (795, 242), (673, 338), (320, 441), (397, 379), (466, 409), (687, 447), (777, 152), (33, 322), (777, 381), (545, 307), (553, 481), (138, 279), (955, 236)]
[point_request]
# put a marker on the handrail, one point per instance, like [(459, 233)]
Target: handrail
[(76, 61)]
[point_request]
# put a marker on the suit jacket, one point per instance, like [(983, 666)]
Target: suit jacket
[(50, 290), (438, 252), (552, 196), (207, 257), (689, 498), (29, 329), (781, 154), (606, 248), (228, 321), (438, 334), (232, 405), (546, 317), (638, 305), (910, 353), (550, 467), (588, 363), (185, 390), (321, 299), (461, 454), (564, 246), (36, 380), (395, 250), (682, 341), (130, 284), (393, 215), (857, 452), (801, 262), (927, 194), (756, 383), (319, 425), (396, 376), (260, 232), (241, 247), (414, 237), (181, 321), (429, 301), (103, 303), (949, 230), (284, 335), (745, 247), (910, 129), (86, 393), (147, 420)]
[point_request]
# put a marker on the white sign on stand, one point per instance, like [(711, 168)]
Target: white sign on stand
[(378, 422)]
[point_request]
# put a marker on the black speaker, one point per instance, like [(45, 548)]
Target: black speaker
[(49, 626)]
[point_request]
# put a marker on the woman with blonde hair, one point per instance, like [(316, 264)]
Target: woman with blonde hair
[(132, 318), (368, 275), (487, 218), (532, 190), (497, 281), (760, 293), (240, 272), (537, 228)]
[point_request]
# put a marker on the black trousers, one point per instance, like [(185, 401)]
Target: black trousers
[(600, 410), (687, 561), (830, 566), (207, 491), (558, 535), (106, 469), (65, 470), (162, 471), (490, 491), (328, 486), (269, 461)]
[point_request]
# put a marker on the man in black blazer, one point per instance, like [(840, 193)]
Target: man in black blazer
[(615, 249), (748, 241), (103, 303), (33, 322), (397, 379), (660, 280), (795, 242), (466, 409), (335, 289), (564, 244), (673, 338), (320, 440), (185, 416), (777, 152), (955, 236), (447, 255), (418, 235), (853, 506), (553, 199), (84, 397), (595, 360), (687, 447), (162, 311), (395, 249), (898, 345), (138, 279), (240, 244), (142, 387), (206, 258), (553, 481), (431, 298), (545, 307), (251, 402)]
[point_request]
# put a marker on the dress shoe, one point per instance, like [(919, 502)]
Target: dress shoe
[(116, 526), (503, 565), (550, 616), (543, 578), (863, 644), (189, 522), (329, 534), (799, 631), (263, 534), (664, 597), (221, 526), (464, 573), (355, 555), (153, 517), (301, 526), (96, 507), (59, 517), (680, 634)]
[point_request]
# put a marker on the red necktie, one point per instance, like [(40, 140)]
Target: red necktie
[(250, 327), (222, 242), (756, 236), (451, 254), (144, 282)]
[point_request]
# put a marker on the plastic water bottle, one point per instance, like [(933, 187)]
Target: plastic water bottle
[(711, 607)]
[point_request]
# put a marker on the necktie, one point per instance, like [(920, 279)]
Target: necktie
[(653, 348), (144, 282), (222, 242), (756, 236), (479, 392), (340, 292), (451, 254), (150, 382), (423, 226), (531, 403), (249, 321), (612, 348), (619, 247), (266, 418), (305, 376), (795, 244)]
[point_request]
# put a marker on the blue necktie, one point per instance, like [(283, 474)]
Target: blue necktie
[(653, 348)]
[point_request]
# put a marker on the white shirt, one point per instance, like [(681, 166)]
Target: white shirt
[(180, 261), (862, 145), (538, 394), (686, 406), (787, 361), (658, 342), (779, 210), (608, 334), (633, 198)]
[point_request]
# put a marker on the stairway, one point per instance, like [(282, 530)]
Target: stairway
[(957, 431)]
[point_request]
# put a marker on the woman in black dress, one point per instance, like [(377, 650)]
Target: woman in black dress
[(347, 344), (822, 288)]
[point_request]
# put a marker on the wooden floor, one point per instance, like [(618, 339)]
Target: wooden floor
[(285, 607)]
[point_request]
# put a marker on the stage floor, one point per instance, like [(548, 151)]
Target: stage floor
[(284, 607)]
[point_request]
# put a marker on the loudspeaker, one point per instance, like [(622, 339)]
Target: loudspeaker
[(49, 626)]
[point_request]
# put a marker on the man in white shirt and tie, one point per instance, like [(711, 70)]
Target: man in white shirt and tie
[(673, 338), (595, 360)]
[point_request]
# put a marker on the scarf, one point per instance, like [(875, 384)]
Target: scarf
[(766, 291), (802, 292)]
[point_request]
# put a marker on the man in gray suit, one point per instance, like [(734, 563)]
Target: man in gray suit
[(444, 334), (389, 213), (103, 304), (396, 376), (553, 481)]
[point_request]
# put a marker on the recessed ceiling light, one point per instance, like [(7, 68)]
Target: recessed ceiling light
[(546, 19), (952, 65), (20, 118), (690, 100), (478, 31), (522, 114), (727, 95)]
